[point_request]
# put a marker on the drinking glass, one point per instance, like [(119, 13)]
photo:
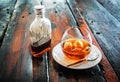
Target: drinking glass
[(75, 45)]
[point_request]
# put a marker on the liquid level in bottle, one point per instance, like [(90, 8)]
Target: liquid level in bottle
[(38, 51)]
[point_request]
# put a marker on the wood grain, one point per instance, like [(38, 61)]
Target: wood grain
[(6, 11), (105, 31), (112, 7), (16, 62)]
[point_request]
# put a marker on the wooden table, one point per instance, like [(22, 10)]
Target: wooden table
[(100, 17)]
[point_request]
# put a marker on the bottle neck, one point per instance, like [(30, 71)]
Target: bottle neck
[(39, 15), (39, 11)]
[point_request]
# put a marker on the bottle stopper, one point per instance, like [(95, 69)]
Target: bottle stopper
[(39, 9)]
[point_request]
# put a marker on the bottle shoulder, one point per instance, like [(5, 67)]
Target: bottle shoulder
[(40, 22), (45, 19)]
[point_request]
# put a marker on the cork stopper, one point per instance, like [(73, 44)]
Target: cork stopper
[(39, 9)]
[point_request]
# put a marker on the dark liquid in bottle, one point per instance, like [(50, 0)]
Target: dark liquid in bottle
[(37, 51)]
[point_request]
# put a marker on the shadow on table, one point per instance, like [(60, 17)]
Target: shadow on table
[(93, 74)]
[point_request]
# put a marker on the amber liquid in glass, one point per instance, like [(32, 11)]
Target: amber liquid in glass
[(76, 49), (38, 51)]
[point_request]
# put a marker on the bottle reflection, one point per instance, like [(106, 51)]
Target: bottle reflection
[(39, 69)]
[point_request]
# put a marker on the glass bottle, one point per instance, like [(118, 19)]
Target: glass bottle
[(40, 32)]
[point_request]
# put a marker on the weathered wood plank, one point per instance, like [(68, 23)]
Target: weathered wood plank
[(106, 30), (11, 53), (18, 64), (6, 10), (54, 10), (113, 6), (17, 9)]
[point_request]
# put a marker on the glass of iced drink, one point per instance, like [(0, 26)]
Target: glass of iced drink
[(74, 45)]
